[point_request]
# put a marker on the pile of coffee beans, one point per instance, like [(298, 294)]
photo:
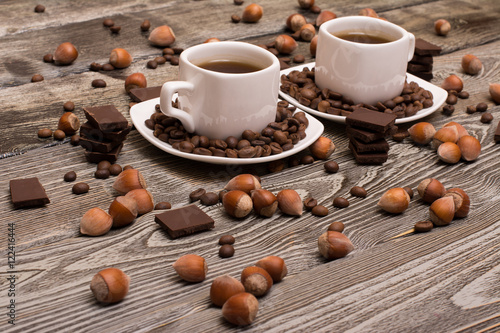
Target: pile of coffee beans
[(281, 135), (301, 86)]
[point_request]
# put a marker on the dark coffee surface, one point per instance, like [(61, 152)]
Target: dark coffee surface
[(229, 66), (27, 192), (184, 221), (365, 37)]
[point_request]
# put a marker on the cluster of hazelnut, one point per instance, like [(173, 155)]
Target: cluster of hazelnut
[(238, 298), (452, 141)]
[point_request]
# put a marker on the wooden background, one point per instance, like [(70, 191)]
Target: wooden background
[(443, 281)]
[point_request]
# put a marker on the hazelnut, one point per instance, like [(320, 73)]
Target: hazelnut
[(265, 202), (128, 180), (65, 54), (313, 46), (453, 82), (241, 309), (324, 16), (322, 148), (306, 4), (449, 152), (430, 189), (442, 211), (470, 147), (123, 210), (110, 285), (334, 245), (461, 200), (445, 134), (212, 40), (471, 64), (295, 21), (307, 32), (461, 130), (143, 198), (136, 80), (422, 132), (289, 202), (285, 44), (368, 12), (252, 13), (256, 280), (442, 27), (69, 123), (191, 268), (162, 36), (120, 58), (275, 266), (495, 92), (95, 222), (244, 182), (394, 200), (237, 203), (223, 287)]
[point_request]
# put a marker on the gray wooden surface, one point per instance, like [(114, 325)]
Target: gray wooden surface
[(443, 281)]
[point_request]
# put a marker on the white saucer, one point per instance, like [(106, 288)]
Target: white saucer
[(140, 112), (439, 97)]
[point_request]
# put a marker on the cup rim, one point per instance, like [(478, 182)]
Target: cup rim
[(184, 57)]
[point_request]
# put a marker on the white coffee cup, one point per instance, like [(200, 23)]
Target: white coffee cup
[(217, 104), (366, 73)]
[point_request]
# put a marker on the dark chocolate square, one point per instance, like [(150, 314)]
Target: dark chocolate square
[(423, 47), (96, 157), (363, 135), (184, 221), (380, 145), (412, 67), (371, 120), (424, 59), (96, 134), (27, 192), (144, 94), (107, 118), (368, 158), (104, 146)]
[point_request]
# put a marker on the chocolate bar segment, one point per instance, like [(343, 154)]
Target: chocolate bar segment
[(380, 145), (96, 157), (424, 60), (412, 68), (96, 134), (184, 221), (107, 118), (27, 192), (423, 47), (363, 135), (104, 146), (371, 120), (144, 94), (368, 158)]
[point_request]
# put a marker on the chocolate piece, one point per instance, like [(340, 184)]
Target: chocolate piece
[(363, 135), (27, 192), (380, 145), (184, 221), (98, 146), (107, 118), (497, 134), (419, 67), (372, 120), (424, 59), (423, 75), (423, 47), (96, 134), (368, 158), (96, 157), (144, 94)]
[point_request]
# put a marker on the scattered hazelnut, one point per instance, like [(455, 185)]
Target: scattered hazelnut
[(128, 180), (162, 36), (110, 285), (191, 268), (240, 309), (471, 64), (453, 82), (313, 46), (65, 54), (449, 152), (69, 123), (256, 280), (307, 32), (223, 287), (120, 58), (442, 27), (368, 12), (324, 16), (422, 132), (275, 266), (237, 203), (442, 211), (289, 202), (212, 40), (285, 44), (495, 92), (306, 4), (430, 189), (95, 222), (244, 182), (394, 200), (252, 13), (445, 134), (461, 200), (143, 198), (334, 245), (322, 148), (470, 147), (123, 210), (265, 202), (461, 130), (295, 21)]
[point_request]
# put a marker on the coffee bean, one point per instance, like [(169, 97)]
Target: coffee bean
[(202, 151), (98, 83), (226, 251), (409, 190), (115, 169), (80, 188), (44, 133), (423, 226), (168, 51), (448, 110), (39, 8), (174, 61), (470, 109), (247, 152), (204, 141), (238, 2), (162, 205), (486, 118), (75, 140), (463, 94), (115, 29), (145, 25), (160, 60), (69, 106), (451, 99), (231, 153), (276, 166), (336, 226), (275, 148), (242, 144), (319, 210), (152, 64), (59, 135), (340, 202), (95, 67), (307, 159), (103, 165), (481, 107), (358, 191), (299, 58), (209, 199), (331, 167), (48, 58), (186, 147), (400, 136), (310, 203), (108, 23), (102, 174), (177, 50), (70, 176), (37, 78), (231, 142), (226, 239), (107, 67), (196, 194)]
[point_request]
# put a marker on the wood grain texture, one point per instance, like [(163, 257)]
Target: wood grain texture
[(443, 281)]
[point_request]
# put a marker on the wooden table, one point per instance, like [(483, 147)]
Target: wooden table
[(443, 281)]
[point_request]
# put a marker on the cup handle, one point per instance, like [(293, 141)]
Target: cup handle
[(167, 91), (411, 50)]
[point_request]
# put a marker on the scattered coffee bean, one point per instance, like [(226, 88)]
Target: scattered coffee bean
[(102, 174), (145, 25), (235, 18), (115, 29), (59, 135), (307, 159), (340, 202), (409, 190), (209, 199), (115, 169), (310, 203), (331, 167), (107, 67), (70, 176), (226, 251), (486, 118), (423, 226), (103, 165), (160, 60), (98, 83), (299, 58), (336, 226), (315, 9), (174, 61), (451, 99), (48, 58), (400, 136), (39, 8), (470, 109), (37, 78), (95, 67), (108, 23), (226, 239), (319, 210), (481, 107), (163, 205), (69, 106), (463, 94), (44, 133), (238, 2), (358, 191), (196, 194), (152, 64), (126, 167), (276, 166), (448, 110), (75, 140), (80, 188)]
